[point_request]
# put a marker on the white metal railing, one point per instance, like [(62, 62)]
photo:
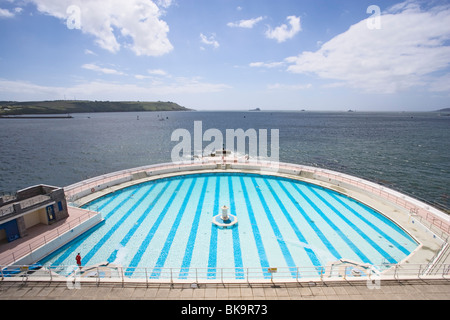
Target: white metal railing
[(104, 273), (22, 250), (93, 183), (417, 208), (436, 218), (432, 265)]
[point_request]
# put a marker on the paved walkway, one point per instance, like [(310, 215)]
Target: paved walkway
[(39, 234), (388, 290)]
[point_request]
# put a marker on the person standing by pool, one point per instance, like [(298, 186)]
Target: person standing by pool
[(78, 258)]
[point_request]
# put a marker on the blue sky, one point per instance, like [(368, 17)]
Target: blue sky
[(229, 54)]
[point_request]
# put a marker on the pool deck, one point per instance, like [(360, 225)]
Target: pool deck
[(425, 233), (387, 290), (41, 234)]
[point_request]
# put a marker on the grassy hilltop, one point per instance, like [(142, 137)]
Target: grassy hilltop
[(78, 106)]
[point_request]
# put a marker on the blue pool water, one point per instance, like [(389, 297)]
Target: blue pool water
[(282, 223)]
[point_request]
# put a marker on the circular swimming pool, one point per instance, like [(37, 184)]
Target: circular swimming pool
[(282, 223)]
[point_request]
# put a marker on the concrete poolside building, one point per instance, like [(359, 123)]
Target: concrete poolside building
[(37, 220), (29, 207)]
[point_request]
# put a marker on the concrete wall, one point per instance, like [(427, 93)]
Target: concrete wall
[(56, 194), (35, 217), (29, 192), (99, 187), (146, 172), (22, 227)]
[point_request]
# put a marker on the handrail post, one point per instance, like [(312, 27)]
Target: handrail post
[(146, 276)]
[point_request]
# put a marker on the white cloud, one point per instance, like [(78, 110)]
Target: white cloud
[(408, 5), (250, 23), (102, 90), (283, 33), (164, 3), (191, 86), (211, 41), (135, 24), (158, 72), (295, 87), (408, 48), (266, 64), (94, 67), (5, 13), (23, 90), (87, 51), (441, 84), (141, 77), (152, 73)]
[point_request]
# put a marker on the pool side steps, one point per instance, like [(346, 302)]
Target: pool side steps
[(342, 267)]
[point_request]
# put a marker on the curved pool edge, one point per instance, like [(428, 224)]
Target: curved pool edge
[(428, 226)]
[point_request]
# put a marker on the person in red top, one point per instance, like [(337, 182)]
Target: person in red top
[(78, 258)]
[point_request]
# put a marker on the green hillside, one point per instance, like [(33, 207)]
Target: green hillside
[(78, 106)]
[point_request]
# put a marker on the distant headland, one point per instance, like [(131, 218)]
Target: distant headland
[(83, 106)]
